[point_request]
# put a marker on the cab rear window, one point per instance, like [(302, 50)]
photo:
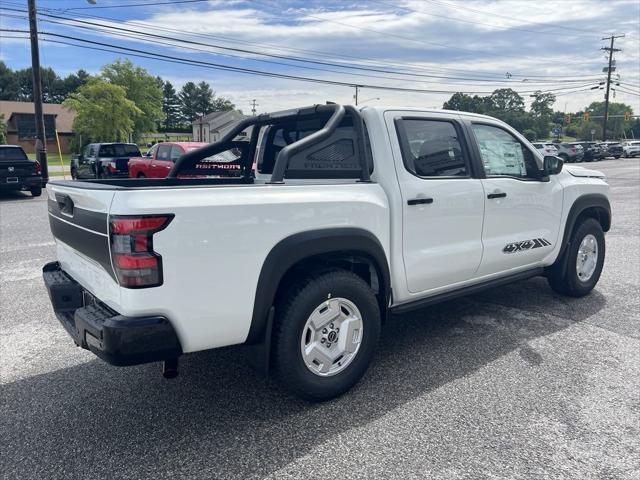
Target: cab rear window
[(12, 154), (123, 150)]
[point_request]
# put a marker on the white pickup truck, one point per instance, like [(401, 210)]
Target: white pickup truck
[(341, 217)]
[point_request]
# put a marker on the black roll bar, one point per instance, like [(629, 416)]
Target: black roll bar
[(208, 150), (282, 160), (358, 124)]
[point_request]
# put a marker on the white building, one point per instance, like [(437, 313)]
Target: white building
[(211, 127)]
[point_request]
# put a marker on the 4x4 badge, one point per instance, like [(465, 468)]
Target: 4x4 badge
[(526, 245)]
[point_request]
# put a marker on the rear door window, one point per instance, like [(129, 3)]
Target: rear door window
[(176, 152), (164, 152), (432, 148)]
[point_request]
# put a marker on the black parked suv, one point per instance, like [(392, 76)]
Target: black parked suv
[(17, 172), (104, 160), (612, 149), (592, 152)]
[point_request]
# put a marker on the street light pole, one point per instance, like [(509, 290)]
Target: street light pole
[(41, 143)]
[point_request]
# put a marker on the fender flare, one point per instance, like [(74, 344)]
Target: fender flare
[(581, 204), (300, 246)]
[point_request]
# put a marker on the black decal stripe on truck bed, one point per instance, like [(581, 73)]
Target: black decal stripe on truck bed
[(96, 221), (92, 244)]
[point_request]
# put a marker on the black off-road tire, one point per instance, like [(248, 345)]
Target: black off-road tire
[(292, 313), (74, 174), (36, 191), (565, 280)]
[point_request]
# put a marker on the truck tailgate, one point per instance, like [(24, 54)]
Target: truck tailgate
[(79, 220)]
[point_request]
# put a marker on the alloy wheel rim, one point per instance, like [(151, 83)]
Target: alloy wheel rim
[(331, 337), (587, 258)]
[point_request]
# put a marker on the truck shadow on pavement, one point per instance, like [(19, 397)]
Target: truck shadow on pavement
[(13, 196), (219, 419)]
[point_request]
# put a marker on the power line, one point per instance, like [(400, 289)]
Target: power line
[(314, 52), (250, 71), (388, 34), (464, 7), (460, 20), (83, 24), (130, 5)]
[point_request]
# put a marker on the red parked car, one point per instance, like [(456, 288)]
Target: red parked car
[(158, 161), (160, 158)]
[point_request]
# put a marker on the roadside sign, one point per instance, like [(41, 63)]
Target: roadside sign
[(593, 132), (556, 131)]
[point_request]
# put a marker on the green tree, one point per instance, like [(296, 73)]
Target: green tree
[(189, 100), (615, 126), (506, 100), (142, 89), (170, 106), (543, 104), (530, 134), (103, 111), (51, 85), (3, 130), (198, 100), (73, 81), (221, 104), (466, 103), (9, 87), (204, 99)]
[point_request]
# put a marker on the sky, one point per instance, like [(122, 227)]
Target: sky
[(435, 46)]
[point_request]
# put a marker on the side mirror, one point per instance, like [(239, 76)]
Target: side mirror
[(552, 165)]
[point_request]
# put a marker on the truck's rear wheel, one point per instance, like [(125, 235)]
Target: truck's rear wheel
[(584, 262), (325, 334)]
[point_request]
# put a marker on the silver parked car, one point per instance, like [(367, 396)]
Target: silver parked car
[(546, 149), (569, 153)]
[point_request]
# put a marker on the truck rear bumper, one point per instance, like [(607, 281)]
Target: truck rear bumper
[(116, 339), (20, 183)]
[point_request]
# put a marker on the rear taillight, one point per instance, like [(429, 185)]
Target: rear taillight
[(38, 168), (135, 263)]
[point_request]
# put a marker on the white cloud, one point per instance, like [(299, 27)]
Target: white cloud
[(409, 34)]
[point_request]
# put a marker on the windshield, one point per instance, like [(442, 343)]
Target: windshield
[(119, 150), (12, 154)]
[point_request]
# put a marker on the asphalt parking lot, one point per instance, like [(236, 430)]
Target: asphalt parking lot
[(517, 382)]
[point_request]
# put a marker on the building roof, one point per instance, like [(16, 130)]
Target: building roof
[(64, 116), (219, 119)]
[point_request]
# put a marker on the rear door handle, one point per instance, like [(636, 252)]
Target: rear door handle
[(419, 201), (496, 195)]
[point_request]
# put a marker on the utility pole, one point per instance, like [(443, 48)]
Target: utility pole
[(41, 142), (609, 49), (253, 107), (356, 95)]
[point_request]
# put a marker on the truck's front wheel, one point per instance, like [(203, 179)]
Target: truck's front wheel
[(584, 262), (325, 334)]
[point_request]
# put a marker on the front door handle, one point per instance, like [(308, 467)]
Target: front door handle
[(419, 201), (496, 195)]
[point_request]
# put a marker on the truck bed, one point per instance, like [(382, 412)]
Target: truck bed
[(141, 183)]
